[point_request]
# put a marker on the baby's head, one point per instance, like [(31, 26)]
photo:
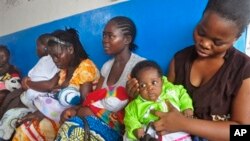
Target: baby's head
[(41, 44), (149, 76)]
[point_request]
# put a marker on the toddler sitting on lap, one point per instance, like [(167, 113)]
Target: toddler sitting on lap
[(155, 91)]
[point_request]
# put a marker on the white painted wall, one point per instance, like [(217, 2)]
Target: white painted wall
[(16, 15)]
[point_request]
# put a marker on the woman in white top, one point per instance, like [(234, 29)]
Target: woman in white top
[(110, 96)]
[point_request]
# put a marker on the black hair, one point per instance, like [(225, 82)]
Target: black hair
[(145, 65), (5, 49), (128, 28), (44, 38), (66, 38), (237, 11)]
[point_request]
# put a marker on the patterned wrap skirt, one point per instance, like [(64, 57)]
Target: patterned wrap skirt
[(45, 130), (73, 130)]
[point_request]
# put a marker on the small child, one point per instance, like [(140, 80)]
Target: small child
[(44, 70), (154, 93)]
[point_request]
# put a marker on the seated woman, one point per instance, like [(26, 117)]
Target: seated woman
[(9, 74), (216, 75), (103, 108), (76, 71), (21, 101), (44, 69)]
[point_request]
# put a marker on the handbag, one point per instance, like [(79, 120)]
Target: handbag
[(148, 137), (86, 129), (67, 131)]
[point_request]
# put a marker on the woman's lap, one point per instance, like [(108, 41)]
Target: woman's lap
[(73, 129), (12, 100)]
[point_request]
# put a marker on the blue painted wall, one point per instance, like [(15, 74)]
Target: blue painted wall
[(163, 27)]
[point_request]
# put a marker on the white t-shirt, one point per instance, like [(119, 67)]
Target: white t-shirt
[(106, 68), (44, 69), (113, 103)]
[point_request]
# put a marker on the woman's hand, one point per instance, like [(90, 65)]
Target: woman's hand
[(132, 87), (68, 113), (168, 122), (84, 111), (24, 83), (30, 117)]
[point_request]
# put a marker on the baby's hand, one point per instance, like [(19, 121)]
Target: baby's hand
[(188, 113), (139, 133), (55, 91)]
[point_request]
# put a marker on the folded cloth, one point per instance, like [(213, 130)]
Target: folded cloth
[(108, 105), (69, 96), (52, 105)]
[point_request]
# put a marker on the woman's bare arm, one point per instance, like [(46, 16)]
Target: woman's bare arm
[(100, 82), (85, 89), (171, 71)]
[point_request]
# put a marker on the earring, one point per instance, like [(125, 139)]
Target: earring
[(45, 50)]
